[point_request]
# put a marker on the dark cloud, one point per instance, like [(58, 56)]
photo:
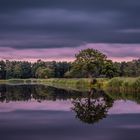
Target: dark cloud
[(58, 24)]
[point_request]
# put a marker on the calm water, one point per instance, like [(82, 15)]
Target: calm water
[(38, 112)]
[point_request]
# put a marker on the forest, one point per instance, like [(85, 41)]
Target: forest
[(88, 63)]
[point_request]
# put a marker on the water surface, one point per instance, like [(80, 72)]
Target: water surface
[(39, 112)]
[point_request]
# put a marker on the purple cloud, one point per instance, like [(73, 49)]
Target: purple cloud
[(116, 52)]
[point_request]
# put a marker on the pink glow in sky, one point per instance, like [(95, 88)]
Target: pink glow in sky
[(116, 52), (57, 30)]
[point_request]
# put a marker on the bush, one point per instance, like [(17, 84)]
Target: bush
[(115, 82)]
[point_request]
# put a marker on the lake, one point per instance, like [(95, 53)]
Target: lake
[(40, 112)]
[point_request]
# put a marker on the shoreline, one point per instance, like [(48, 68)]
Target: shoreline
[(117, 84)]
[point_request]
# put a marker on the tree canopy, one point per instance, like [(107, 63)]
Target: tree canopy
[(92, 63)]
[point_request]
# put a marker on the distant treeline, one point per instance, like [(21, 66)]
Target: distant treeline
[(41, 69), (128, 69)]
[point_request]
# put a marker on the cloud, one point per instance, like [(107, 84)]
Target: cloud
[(47, 24)]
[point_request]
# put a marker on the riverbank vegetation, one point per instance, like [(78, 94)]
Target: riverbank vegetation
[(117, 84), (73, 83), (91, 68), (88, 63)]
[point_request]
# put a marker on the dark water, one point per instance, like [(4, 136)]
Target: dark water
[(38, 112)]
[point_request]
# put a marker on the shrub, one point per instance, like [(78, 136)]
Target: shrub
[(115, 83), (136, 85)]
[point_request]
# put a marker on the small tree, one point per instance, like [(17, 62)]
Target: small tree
[(43, 72)]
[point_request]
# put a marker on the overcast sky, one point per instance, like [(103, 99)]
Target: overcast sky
[(57, 29)]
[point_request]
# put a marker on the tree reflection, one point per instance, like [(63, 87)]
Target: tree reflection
[(92, 108), (37, 92)]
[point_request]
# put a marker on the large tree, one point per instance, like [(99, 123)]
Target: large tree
[(89, 62)]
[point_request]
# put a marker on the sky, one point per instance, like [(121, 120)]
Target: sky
[(58, 29)]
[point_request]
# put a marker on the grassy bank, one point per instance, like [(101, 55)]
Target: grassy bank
[(76, 83), (20, 81), (119, 84), (79, 83)]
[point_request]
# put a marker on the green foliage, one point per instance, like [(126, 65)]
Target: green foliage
[(136, 85), (2, 70), (24, 69), (60, 68), (43, 72), (115, 83), (35, 66), (92, 63), (17, 69), (124, 85), (129, 69), (109, 69), (82, 83), (89, 62)]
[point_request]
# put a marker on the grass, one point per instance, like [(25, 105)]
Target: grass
[(20, 81), (82, 84), (74, 83), (117, 84), (78, 83), (123, 85)]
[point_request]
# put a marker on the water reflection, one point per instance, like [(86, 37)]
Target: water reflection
[(94, 107), (41, 112), (89, 106), (38, 92)]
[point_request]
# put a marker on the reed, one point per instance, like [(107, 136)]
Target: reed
[(123, 85)]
